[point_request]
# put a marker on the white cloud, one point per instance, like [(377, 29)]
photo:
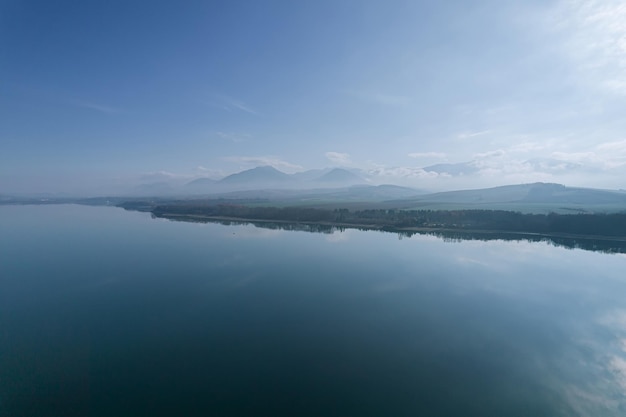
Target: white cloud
[(338, 158), (254, 161)]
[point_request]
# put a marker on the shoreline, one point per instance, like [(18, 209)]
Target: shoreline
[(385, 228)]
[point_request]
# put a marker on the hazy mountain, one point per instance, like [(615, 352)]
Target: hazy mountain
[(258, 175), (201, 182), (200, 185), (310, 175), (341, 176)]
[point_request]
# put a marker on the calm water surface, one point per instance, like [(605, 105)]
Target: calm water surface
[(105, 312)]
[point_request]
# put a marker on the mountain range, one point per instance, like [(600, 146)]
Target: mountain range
[(339, 185), (268, 177)]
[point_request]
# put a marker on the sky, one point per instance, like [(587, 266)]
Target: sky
[(95, 95)]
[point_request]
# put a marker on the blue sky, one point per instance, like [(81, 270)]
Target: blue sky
[(98, 94)]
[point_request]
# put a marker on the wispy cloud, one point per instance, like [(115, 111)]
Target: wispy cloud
[(95, 106), (232, 104), (338, 158), (254, 161)]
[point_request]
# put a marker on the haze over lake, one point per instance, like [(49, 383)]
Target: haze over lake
[(105, 312)]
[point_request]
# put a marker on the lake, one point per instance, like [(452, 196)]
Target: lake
[(106, 312)]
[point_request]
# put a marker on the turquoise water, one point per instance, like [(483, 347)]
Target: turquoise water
[(105, 312)]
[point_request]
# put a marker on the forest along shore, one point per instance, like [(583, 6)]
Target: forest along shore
[(610, 226)]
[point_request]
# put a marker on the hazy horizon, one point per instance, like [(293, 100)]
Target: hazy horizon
[(101, 96)]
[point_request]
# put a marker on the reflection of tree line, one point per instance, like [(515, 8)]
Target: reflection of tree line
[(596, 245), (293, 227), (452, 224)]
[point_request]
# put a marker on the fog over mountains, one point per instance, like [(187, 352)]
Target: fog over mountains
[(429, 179)]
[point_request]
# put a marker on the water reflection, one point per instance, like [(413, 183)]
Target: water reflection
[(109, 313)]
